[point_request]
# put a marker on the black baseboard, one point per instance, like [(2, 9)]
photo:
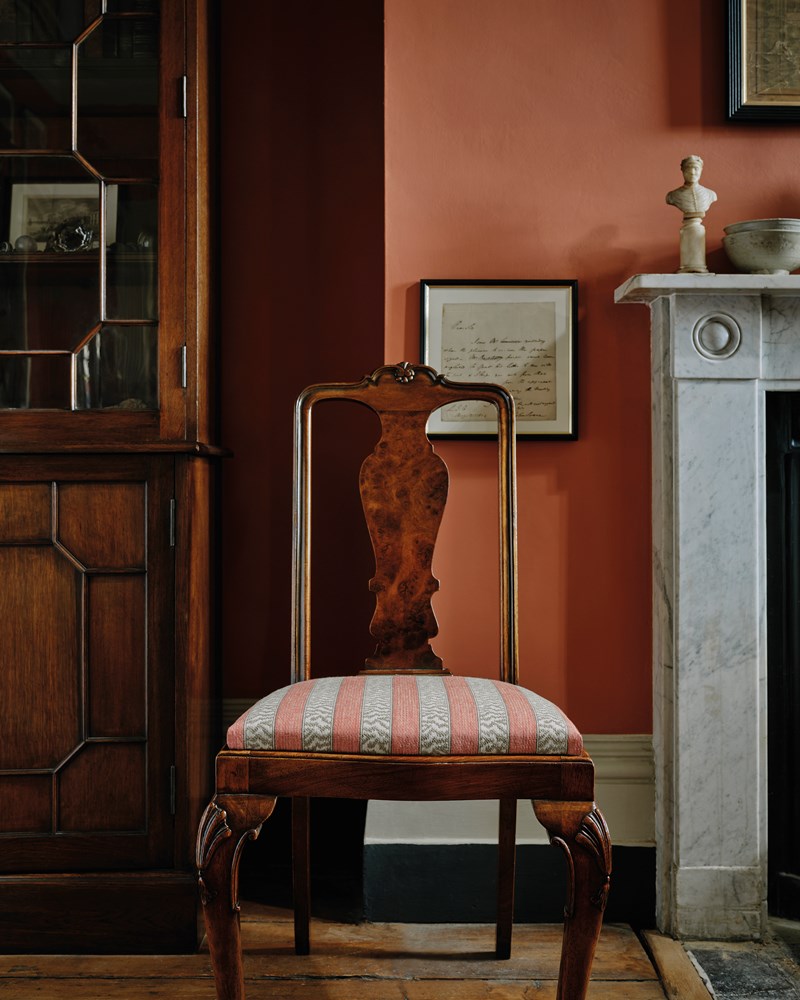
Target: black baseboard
[(415, 883), (456, 883), (337, 863)]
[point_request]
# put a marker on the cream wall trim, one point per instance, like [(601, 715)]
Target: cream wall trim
[(624, 790), (624, 758)]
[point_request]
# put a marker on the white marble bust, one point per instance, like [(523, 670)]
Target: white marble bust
[(693, 200)]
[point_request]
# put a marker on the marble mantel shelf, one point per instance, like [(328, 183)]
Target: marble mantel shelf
[(646, 287), (719, 344)]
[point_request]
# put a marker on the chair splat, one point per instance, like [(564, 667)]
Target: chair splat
[(404, 487)]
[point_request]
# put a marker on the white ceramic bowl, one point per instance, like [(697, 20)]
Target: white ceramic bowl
[(764, 251), (770, 224)]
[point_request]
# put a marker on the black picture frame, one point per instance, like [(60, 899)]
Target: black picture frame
[(753, 27), (519, 333)]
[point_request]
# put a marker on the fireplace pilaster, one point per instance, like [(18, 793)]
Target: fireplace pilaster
[(719, 343)]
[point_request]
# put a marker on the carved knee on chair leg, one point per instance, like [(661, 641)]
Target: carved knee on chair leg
[(580, 830), (225, 827)]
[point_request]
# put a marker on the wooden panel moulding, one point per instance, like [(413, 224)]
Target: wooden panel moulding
[(39, 679), (29, 803), (117, 660), (103, 787), (25, 512), (103, 524)]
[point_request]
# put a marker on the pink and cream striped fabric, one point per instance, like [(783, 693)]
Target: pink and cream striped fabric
[(416, 715)]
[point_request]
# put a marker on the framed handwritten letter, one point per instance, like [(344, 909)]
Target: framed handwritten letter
[(520, 334), (763, 68)]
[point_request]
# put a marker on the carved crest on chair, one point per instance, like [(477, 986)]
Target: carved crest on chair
[(404, 372)]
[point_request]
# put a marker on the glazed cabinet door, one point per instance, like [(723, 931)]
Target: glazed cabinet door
[(86, 663), (92, 221)]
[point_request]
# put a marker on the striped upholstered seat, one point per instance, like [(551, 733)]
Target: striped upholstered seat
[(410, 715)]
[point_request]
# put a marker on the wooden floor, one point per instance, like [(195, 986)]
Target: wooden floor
[(365, 962)]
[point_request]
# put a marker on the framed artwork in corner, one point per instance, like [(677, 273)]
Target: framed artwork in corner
[(39, 209), (763, 67), (520, 334)]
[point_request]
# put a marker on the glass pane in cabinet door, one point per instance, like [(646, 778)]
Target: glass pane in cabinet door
[(47, 304), (38, 194), (118, 96), (117, 369), (35, 381), (35, 97), (49, 254), (131, 255), (45, 20)]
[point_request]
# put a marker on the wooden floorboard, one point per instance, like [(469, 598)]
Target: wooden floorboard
[(679, 977), (363, 962), (327, 989)]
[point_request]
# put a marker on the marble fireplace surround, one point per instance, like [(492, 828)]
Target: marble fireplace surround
[(719, 344)]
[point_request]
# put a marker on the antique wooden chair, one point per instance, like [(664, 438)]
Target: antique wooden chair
[(404, 728)]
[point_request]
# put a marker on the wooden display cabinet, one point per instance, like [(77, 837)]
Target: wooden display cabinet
[(107, 473)]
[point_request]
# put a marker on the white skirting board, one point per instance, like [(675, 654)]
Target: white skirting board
[(624, 791)]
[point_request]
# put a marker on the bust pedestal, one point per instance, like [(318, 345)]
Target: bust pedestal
[(719, 343), (693, 247)]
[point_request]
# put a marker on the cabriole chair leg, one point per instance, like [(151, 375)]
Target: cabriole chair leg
[(226, 825), (579, 829)]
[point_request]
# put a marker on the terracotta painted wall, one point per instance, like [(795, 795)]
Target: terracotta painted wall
[(523, 139), (537, 139)]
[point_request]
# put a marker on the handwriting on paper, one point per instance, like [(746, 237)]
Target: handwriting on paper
[(512, 343)]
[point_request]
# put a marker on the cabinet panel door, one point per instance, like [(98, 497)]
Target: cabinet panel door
[(86, 663)]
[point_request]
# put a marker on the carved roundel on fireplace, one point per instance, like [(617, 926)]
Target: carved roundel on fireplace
[(716, 336)]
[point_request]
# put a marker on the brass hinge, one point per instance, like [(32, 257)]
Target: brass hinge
[(184, 367), (184, 96), (173, 508), (172, 795)]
